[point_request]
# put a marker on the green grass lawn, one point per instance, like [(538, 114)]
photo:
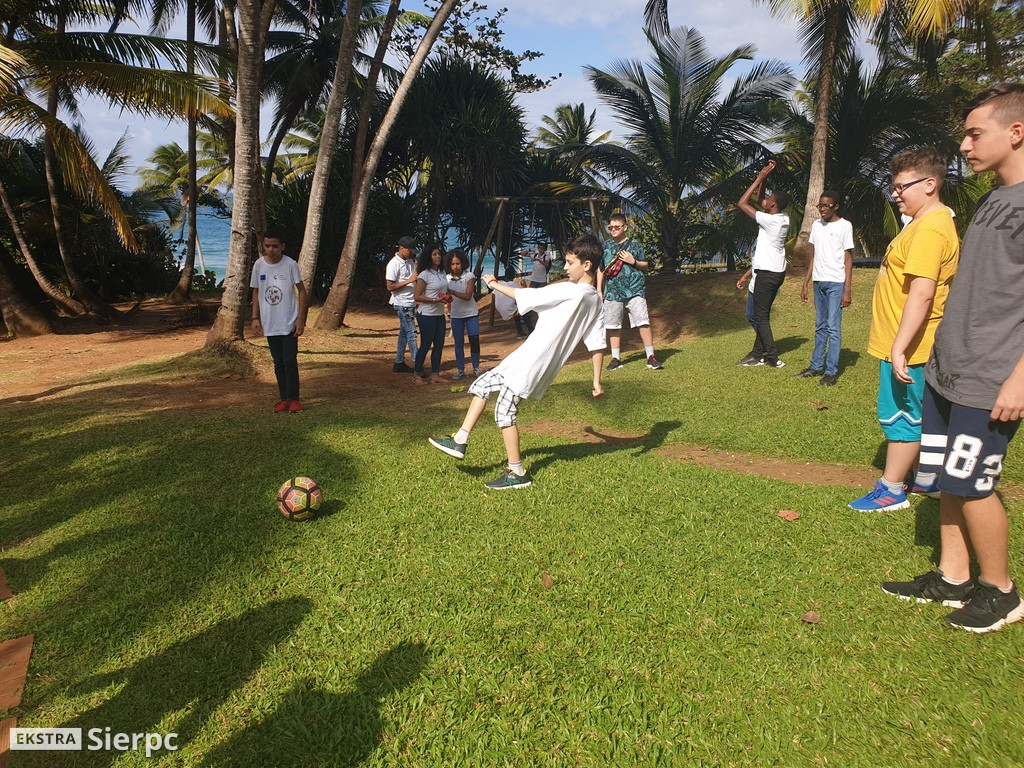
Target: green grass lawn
[(412, 626)]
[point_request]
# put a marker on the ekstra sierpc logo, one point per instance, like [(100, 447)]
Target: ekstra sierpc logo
[(95, 739)]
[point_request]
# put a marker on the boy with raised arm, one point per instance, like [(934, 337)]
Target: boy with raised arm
[(567, 313)]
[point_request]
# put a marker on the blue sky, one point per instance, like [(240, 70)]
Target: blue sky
[(571, 33)]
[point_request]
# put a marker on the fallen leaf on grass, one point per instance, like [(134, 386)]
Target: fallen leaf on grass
[(621, 564), (547, 581), (810, 618), (225, 375), (789, 514), (236, 377), (819, 405), (703, 447)]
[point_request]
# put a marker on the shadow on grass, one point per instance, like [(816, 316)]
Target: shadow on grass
[(193, 677), (543, 456), (315, 727), (926, 527)]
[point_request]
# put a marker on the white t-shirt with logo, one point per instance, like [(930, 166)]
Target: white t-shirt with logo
[(275, 284), (831, 241), (399, 270), (540, 268), (770, 248), (462, 307), (436, 283)]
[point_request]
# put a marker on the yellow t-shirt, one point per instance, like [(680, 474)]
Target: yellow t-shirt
[(927, 247)]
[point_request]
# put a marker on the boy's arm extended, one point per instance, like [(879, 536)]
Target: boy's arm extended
[(598, 358), (743, 280), (915, 314), (494, 285), (744, 202)]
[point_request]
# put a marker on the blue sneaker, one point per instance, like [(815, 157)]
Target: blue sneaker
[(881, 499)]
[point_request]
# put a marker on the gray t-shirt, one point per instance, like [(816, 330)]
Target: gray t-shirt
[(981, 336)]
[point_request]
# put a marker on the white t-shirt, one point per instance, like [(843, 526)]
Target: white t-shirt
[(831, 241), (436, 283), (275, 284), (540, 268), (770, 248), (462, 307), (397, 271), (567, 313), (503, 305)]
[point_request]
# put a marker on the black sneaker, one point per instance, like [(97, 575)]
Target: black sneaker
[(750, 361), (931, 587), (401, 368), (509, 479), (449, 446), (828, 380), (615, 364), (988, 609), (808, 373), (654, 364)]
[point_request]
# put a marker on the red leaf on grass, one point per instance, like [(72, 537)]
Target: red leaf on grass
[(819, 405), (789, 514), (225, 375), (810, 618)]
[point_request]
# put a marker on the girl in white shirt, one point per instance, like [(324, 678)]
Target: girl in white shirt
[(464, 313), (431, 296)]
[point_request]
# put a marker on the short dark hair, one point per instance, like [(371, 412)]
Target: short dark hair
[(586, 248), (455, 253), (407, 242), (926, 160), (1008, 101), (617, 217), (781, 198), (274, 233), (832, 195)]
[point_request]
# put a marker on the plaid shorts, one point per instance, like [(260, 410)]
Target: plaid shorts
[(507, 408)]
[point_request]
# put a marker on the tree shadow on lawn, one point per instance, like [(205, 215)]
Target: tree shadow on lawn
[(315, 727), (540, 457), (194, 676)]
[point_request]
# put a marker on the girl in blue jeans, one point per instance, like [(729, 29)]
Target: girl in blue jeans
[(464, 313)]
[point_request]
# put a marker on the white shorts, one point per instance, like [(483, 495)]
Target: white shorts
[(637, 308)]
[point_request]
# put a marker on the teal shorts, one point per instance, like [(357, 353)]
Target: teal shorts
[(899, 404)]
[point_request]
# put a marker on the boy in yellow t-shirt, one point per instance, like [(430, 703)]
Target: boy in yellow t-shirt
[(910, 295)]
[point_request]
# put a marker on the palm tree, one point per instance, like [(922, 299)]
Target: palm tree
[(566, 132), (686, 125)]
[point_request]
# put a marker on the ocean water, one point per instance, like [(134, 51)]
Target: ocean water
[(215, 241)]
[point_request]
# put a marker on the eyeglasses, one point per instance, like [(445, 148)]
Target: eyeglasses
[(827, 205), (615, 227), (897, 189)]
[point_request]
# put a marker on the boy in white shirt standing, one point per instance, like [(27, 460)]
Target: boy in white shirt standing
[(831, 270), (567, 313)]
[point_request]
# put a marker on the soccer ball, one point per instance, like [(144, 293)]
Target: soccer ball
[(299, 499)]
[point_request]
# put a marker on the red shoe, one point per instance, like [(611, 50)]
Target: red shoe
[(281, 407), (294, 406)]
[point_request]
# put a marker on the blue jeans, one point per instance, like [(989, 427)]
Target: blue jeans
[(432, 341), (466, 326), (828, 326), (406, 333)]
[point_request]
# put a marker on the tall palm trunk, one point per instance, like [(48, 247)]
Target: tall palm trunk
[(21, 318), (819, 148), (328, 145), (333, 313), (253, 22), (53, 293), (183, 290)]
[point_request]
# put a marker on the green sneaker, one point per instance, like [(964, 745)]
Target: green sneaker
[(449, 446), (509, 479)]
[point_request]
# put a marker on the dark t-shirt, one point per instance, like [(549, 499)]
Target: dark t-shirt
[(981, 336)]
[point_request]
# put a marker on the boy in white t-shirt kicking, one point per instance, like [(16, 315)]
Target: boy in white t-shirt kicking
[(279, 313), (567, 313)]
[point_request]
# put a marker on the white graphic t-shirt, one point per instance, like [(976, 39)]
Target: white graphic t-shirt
[(275, 284)]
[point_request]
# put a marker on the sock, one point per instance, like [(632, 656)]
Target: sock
[(615, 352), (926, 479), (896, 487), (649, 350), (461, 437), (948, 580), (517, 469)]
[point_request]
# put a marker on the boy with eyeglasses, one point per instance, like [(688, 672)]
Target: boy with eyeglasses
[(831, 270), (622, 285), (974, 399), (910, 296)]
